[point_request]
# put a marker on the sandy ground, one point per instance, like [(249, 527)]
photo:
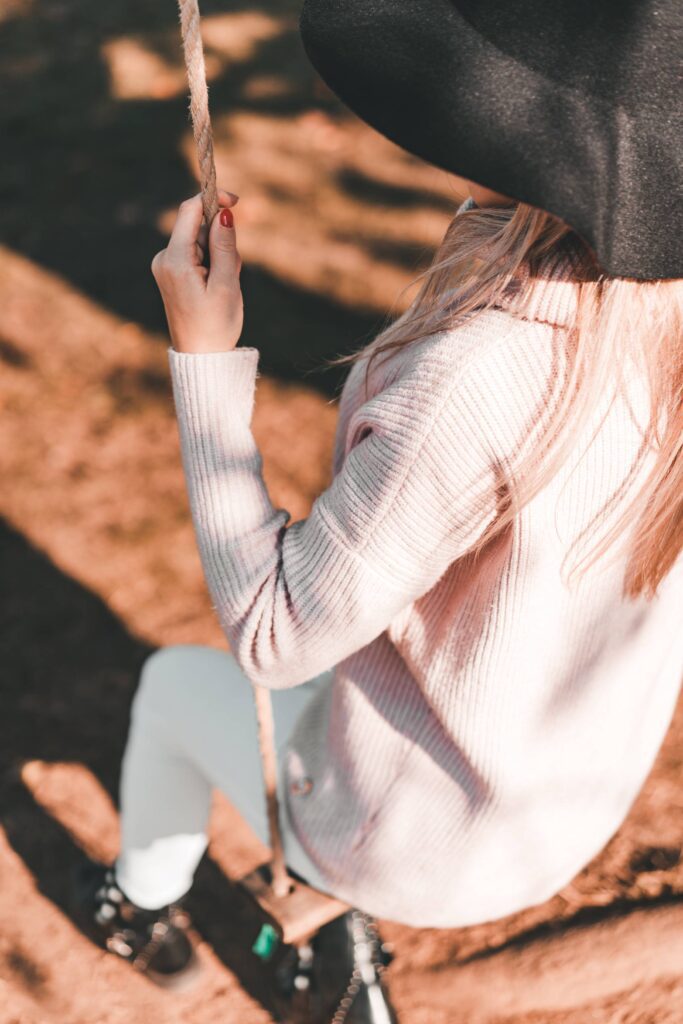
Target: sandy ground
[(98, 559)]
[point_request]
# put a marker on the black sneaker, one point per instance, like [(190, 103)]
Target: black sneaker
[(337, 979), (155, 942)]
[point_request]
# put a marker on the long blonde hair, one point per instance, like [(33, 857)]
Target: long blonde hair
[(616, 319)]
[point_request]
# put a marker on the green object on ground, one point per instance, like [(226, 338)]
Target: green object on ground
[(266, 941)]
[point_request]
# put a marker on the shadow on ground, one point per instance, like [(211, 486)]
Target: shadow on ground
[(74, 671), (87, 174)]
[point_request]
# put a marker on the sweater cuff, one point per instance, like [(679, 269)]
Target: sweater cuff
[(218, 377)]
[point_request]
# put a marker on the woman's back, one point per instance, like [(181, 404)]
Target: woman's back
[(474, 756)]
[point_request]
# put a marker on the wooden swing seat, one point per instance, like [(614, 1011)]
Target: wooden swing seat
[(296, 915)]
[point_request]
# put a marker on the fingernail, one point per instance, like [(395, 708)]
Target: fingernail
[(226, 217)]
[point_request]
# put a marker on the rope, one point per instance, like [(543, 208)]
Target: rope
[(199, 104), (201, 125), (280, 882)]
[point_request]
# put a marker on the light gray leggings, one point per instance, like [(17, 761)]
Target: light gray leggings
[(193, 728)]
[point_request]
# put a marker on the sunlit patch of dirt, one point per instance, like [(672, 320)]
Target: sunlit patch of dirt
[(97, 547), (150, 66)]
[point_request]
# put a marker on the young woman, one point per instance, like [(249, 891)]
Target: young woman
[(473, 641)]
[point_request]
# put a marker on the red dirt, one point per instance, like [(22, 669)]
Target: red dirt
[(98, 556)]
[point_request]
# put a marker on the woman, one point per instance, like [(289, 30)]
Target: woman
[(463, 722)]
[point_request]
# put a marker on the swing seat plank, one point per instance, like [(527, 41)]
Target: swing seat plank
[(299, 913)]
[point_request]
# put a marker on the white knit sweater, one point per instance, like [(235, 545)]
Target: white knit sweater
[(487, 728)]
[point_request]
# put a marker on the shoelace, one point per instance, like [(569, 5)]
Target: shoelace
[(112, 902)]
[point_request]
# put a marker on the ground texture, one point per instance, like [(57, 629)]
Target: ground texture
[(98, 559)]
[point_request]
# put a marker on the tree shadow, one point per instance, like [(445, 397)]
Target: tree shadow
[(296, 330), (86, 175), (70, 668), (370, 190)]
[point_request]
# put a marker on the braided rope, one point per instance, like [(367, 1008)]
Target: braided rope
[(280, 881), (201, 125), (199, 104)]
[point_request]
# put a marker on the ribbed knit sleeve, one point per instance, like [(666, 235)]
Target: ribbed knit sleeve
[(415, 491)]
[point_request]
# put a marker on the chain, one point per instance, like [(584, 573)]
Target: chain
[(122, 940), (346, 1000), (142, 960), (175, 917), (364, 937)]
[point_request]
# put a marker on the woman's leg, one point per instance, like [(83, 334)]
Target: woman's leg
[(193, 728)]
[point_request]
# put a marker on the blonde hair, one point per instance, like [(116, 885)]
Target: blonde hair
[(616, 319)]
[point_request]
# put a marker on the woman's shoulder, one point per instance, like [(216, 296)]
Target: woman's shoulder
[(493, 361), (496, 344), (483, 348), (482, 380)]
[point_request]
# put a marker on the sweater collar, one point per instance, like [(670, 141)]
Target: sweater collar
[(551, 293)]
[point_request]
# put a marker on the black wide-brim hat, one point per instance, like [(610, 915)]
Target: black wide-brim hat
[(573, 106)]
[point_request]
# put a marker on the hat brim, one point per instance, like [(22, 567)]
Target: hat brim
[(424, 76)]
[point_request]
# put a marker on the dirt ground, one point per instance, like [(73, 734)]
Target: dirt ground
[(99, 564)]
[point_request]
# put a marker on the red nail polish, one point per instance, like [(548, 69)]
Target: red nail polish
[(226, 217)]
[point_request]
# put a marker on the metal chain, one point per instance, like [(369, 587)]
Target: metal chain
[(148, 951), (368, 937), (175, 917), (122, 940), (346, 1000)]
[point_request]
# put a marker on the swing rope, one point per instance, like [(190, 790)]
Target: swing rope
[(199, 104), (203, 136)]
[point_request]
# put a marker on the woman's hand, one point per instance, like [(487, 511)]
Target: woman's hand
[(204, 308)]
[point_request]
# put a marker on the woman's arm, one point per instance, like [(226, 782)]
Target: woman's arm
[(412, 496), (414, 493)]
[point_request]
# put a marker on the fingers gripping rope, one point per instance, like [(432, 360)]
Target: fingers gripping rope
[(199, 104)]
